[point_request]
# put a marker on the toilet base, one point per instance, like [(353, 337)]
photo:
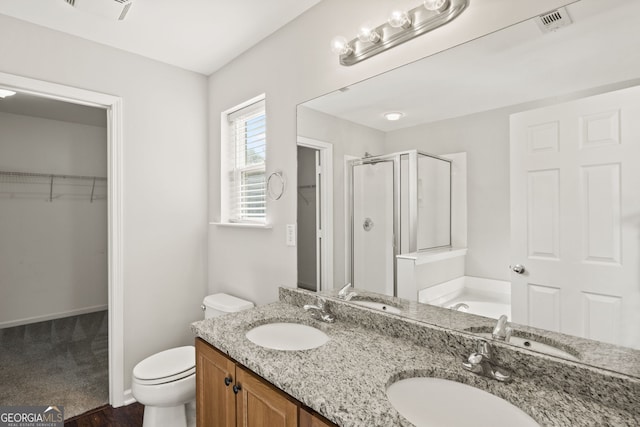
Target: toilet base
[(168, 416)]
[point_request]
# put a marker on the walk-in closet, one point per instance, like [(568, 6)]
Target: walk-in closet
[(53, 254)]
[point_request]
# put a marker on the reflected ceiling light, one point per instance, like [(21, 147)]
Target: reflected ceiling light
[(392, 116), (5, 92), (400, 27)]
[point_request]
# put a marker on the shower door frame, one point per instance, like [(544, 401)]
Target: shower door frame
[(395, 159), (412, 204)]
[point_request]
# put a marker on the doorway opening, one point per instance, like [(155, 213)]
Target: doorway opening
[(61, 185), (315, 214)]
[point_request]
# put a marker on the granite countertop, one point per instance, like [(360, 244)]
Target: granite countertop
[(346, 378), (599, 354)]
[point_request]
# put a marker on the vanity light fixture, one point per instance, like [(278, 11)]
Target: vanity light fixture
[(368, 34), (399, 19), (6, 92), (340, 46), (401, 26), (393, 116), (436, 5)]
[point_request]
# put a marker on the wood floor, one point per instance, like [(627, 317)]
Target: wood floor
[(107, 416)]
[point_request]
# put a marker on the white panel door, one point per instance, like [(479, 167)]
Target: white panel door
[(575, 217)]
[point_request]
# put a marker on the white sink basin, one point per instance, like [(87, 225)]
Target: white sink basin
[(437, 402), (377, 305), (534, 345), (287, 336)]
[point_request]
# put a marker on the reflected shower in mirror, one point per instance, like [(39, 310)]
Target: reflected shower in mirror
[(541, 131), (397, 203)]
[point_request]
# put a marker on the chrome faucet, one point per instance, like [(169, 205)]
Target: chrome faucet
[(459, 306), (480, 362), (342, 293), (320, 311), (502, 331)]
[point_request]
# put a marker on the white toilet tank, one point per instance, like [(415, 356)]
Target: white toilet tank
[(219, 304)]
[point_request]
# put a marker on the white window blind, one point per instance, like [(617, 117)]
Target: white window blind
[(246, 168)]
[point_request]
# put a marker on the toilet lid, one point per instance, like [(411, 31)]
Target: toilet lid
[(167, 365)]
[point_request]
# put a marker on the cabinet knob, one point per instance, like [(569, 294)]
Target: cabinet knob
[(236, 388), (227, 381)]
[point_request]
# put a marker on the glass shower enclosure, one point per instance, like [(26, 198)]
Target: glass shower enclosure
[(399, 203)]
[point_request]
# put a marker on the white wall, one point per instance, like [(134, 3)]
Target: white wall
[(348, 139), (291, 66), (53, 255), (165, 169), (485, 139)]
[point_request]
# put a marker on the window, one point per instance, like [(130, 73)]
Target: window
[(243, 163)]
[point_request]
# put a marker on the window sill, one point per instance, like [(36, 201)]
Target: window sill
[(242, 225)]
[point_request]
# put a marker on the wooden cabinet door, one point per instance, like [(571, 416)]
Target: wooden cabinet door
[(215, 400), (308, 419), (259, 404)]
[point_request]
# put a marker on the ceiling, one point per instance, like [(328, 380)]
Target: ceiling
[(512, 66), (46, 108), (197, 35)]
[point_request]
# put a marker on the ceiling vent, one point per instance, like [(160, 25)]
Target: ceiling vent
[(551, 21), (112, 9)]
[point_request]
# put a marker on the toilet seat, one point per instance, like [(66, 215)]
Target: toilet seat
[(167, 366)]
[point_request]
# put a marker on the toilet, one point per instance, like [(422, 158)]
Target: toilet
[(166, 382)]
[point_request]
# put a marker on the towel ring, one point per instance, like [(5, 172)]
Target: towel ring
[(275, 187)]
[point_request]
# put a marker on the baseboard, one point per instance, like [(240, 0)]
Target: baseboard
[(53, 316), (128, 397)]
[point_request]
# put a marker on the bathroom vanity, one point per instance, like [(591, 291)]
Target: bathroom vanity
[(229, 395), (346, 379)]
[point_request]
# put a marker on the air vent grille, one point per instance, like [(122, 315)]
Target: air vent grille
[(553, 20), (71, 2), (551, 17)]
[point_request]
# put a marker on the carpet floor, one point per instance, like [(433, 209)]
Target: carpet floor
[(62, 362)]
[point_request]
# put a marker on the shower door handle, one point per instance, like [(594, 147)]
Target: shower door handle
[(518, 268)]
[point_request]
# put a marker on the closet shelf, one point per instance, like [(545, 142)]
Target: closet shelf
[(43, 184)]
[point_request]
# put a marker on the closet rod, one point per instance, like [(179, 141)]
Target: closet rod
[(50, 175)]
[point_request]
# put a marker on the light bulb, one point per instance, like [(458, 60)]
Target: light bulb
[(367, 34), (436, 5), (340, 46), (399, 19)]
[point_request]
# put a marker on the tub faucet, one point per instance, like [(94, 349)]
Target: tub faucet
[(481, 362), (344, 291), (502, 331), (320, 311), (460, 307)]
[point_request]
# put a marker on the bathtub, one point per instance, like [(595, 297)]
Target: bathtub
[(484, 297)]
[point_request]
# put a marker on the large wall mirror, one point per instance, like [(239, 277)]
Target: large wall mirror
[(538, 137)]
